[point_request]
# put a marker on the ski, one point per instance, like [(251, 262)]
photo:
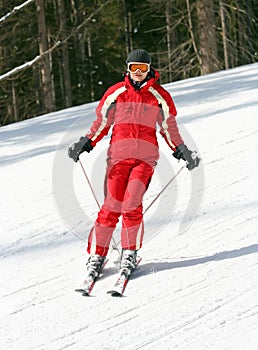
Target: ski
[(87, 285), (122, 281)]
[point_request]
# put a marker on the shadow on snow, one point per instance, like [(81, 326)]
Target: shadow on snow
[(154, 267)]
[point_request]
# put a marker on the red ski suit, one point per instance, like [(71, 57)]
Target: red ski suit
[(132, 155)]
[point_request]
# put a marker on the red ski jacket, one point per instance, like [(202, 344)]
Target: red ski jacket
[(134, 115)]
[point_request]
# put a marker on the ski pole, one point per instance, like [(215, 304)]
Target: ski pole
[(89, 183), (163, 189), (94, 195)]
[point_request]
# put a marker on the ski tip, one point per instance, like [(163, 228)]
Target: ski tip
[(83, 292), (114, 293)]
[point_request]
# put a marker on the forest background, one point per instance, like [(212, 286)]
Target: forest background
[(56, 54)]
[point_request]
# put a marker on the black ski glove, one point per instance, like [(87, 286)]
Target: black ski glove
[(191, 157), (76, 148)]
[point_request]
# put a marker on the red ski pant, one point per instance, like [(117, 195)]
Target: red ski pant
[(125, 185)]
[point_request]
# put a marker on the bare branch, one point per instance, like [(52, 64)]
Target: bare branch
[(56, 45), (15, 9)]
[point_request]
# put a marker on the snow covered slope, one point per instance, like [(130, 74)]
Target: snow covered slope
[(197, 285)]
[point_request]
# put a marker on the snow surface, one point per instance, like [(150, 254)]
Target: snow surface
[(197, 285)]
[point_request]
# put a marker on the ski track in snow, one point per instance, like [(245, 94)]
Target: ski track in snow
[(195, 289)]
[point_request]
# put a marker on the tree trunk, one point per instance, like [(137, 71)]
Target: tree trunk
[(50, 57), (224, 33), (65, 55), (128, 29), (92, 95), (192, 32), (44, 63), (207, 36), (169, 38), (15, 112)]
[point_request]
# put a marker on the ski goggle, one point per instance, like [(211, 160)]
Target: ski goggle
[(134, 66)]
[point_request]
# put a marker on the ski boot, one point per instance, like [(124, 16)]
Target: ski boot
[(95, 264), (128, 260)]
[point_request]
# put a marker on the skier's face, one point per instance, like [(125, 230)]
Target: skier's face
[(138, 75), (138, 70)]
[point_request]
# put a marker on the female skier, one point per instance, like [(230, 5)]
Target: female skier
[(133, 107)]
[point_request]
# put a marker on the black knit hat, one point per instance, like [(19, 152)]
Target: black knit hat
[(138, 55)]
